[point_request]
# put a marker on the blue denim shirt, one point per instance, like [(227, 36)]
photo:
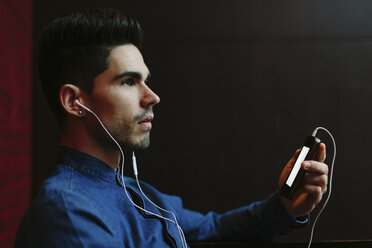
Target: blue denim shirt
[(83, 204)]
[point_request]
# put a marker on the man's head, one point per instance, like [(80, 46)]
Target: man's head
[(74, 50), (93, 56)]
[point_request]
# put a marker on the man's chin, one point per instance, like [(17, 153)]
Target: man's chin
[(139, 145)]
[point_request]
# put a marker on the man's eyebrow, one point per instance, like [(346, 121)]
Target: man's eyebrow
[(133, 74)]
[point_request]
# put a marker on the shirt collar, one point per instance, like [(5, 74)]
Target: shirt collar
[(87, 164)]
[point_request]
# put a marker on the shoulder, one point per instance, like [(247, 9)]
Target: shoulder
[(62, 196), (56, 206), (62, 217)]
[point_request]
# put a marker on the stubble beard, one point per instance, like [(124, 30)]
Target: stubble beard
[(128, 140), (125, 135)]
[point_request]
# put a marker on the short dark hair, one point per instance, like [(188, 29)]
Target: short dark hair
[(75, 49)]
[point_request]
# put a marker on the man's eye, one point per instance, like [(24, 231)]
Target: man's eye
[(129, 81)]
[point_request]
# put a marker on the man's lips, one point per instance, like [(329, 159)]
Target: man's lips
[(146, 122)]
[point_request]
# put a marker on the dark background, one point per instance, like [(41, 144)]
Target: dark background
[(242, 83)]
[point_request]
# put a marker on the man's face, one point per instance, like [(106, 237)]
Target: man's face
[(122, 99)]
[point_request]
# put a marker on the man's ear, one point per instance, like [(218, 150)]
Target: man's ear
[(67, 95)]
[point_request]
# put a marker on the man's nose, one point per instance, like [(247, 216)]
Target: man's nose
[(149, 98)]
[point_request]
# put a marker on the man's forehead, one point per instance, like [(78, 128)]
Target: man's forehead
[(127, 58)]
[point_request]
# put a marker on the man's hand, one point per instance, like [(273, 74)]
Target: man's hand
[(313, 186)]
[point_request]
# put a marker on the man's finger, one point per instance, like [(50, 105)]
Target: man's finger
[(315, 194), (317, 180), (315, 167), (321, 153)]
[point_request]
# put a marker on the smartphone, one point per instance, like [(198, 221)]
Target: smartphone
[(294, 178)]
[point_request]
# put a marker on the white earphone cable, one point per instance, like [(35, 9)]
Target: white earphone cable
[(134, 161), (330, 181), (183, 240)]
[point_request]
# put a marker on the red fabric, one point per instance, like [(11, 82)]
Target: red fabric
[(15, 115)]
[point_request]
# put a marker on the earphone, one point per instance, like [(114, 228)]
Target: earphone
[(183, 239), (330, 180)]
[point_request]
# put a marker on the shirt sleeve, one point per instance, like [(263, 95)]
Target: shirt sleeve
[(259, 221), (64, 220)]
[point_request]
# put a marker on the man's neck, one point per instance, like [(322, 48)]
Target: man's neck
[(81, 141)]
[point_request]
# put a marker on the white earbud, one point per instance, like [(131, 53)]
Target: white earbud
[(81, 105), (78, 103)]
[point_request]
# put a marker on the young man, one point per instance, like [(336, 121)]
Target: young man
[(90, 61)]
